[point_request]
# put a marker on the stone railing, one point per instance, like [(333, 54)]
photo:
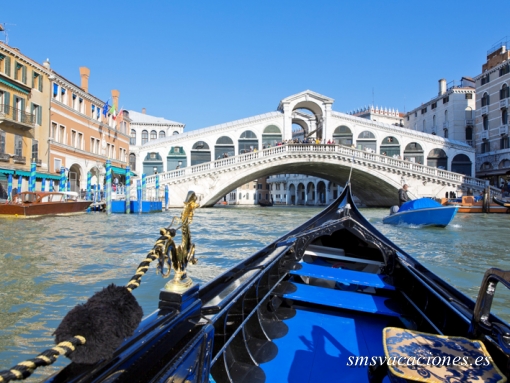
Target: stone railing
[(313, 149)]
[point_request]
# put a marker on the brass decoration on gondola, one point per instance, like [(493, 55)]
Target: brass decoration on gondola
[(178, 256)]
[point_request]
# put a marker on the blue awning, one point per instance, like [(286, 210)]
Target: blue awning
[(121, 171), (48, 176), (6, 171), (13, 86)]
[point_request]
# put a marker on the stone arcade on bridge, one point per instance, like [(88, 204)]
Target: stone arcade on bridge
[(314, 115)]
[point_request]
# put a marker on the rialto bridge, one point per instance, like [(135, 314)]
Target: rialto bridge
[(215, 160)]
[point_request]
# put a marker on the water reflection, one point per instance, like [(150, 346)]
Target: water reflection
[(51, 264)]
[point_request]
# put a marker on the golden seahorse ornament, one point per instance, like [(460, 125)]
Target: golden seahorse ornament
[(181, 255)]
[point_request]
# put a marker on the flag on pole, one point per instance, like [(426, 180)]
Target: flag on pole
[(113, 112), (105, 108), (120, 115)]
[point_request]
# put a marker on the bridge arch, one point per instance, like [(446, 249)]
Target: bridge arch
[(176, 158), (437, 158), (247, 142), (462, 164), (342, 135), (390, 147), (366, 141), (224, 147), (414, 153), (200, 153), (153, 161), (271, 135)]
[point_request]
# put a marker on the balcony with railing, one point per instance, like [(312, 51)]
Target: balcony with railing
[(503, 103), (16, 118), (19, 160), (503, 129), (470, 122), (4, 157), (484, 110), (484, 134)]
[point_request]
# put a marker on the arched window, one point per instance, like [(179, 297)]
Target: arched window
[(145, 136), (154, 135), (176, 132), (162, 134), (132, 161), (504, 116), (485, 122), (485, 99), (445, 132), (503, 92), (132, 140)]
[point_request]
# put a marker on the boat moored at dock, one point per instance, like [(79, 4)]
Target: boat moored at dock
[(34, 204)]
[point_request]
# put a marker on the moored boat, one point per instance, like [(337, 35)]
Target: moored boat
[(34, 204), (472, 204), (324, 302), (505, 204), (421, 212)]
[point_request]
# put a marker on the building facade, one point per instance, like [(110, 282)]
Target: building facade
[(450, 114), (384, 115), (145, 128), (491, 129), (24, 115), (84, 132)]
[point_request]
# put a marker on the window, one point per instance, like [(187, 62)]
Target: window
[(62, 97), (57, 164), (37, 81), (485, 99), (423, 125), (96, 146), (485, 122), (92, 142), (154, 135), (503, 92), (132, 140), (35, 150), (18, 145), (485, 79), (145, 136), (445, 133), (75, 102), (113, 151), (504, 116), (20, 73), (424, 110), (81, 105), (469, 96), (433, 106), (79, 144), (54, 131), (486, 147), (132, 161), (504, 144), (415, 114), (2, 141), (108, 150), (5, 65), (36, 111), (446, 99), (504, 70), (62, 136), (162, 134), (73, 138)]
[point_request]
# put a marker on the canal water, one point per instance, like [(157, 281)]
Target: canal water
[(50, 264)]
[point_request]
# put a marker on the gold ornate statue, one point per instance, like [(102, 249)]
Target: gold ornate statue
[(181, 255)]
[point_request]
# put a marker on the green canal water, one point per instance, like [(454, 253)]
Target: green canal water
[(50, 264)]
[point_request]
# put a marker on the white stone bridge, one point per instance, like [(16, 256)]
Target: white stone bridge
[(375, 178)]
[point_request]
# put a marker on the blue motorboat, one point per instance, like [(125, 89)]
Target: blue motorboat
[(333, 300), (421, 212)]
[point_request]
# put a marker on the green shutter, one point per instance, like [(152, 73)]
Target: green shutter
[(8, 66), (39, 115), (33, 78), (41, 78), (24, 74), (7, 99)]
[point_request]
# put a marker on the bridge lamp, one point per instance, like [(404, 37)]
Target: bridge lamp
[(180, 163), (155, 170)]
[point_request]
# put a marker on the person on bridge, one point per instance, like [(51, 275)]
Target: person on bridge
[(402, 195)]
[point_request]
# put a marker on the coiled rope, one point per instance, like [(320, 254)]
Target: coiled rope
[(24, 369)]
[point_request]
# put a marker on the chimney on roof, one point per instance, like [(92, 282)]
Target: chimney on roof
[(143, 111), (84, 74), (442, 86), (115, 98)]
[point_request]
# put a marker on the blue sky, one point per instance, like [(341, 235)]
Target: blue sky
[(204, 63)]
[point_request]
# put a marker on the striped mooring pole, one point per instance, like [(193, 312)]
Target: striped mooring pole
[(52, 188), (157, 188), (108, 188), (127, 190), (166, 197), (139, 195), (20, 184), (89, 189), (9, 187), (31, 184), (62, 184), (144, 187), (43, 184)]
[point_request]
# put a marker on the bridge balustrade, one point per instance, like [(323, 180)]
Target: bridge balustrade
[(410, 167)]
